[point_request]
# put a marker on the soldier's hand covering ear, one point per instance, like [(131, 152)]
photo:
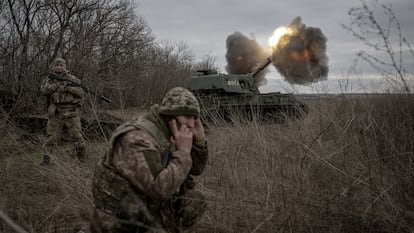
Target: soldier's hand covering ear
[(198, 131), (182, 138)]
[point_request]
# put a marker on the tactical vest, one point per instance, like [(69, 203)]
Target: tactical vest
[(109, 187), (66, 97)]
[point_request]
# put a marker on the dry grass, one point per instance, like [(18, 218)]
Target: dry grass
[(54, 198), (347, 167)]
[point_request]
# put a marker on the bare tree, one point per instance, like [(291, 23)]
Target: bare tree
[(207, 63), (386, 46), (22, 14), (105, 42), (169, 66), (91, 34)]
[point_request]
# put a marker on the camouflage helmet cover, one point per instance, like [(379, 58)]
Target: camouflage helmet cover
[(59, 61), (179, 101)]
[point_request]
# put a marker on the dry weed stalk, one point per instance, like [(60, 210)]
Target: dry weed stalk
[(346, 167)]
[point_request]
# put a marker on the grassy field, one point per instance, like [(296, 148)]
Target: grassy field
[(347, 167)]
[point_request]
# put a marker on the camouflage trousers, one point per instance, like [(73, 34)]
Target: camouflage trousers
[(176, 215), (56, 126), (184, 211)]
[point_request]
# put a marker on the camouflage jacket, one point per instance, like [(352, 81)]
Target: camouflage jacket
[(61, 92), (135, 155)]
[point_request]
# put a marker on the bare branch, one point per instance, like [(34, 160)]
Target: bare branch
[(365, 26)]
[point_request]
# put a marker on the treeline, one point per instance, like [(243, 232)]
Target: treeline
[(105, 42)]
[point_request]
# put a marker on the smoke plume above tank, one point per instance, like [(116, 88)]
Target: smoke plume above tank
[(244, 55), (300, 54)]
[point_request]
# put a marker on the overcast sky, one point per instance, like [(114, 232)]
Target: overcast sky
[(205, 25)]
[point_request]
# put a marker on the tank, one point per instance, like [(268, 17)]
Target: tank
[(224, 96)]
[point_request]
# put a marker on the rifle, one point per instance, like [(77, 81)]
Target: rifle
[(74, 84)]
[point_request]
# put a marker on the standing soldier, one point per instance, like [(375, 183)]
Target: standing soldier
[(64, 102), (144, 181)]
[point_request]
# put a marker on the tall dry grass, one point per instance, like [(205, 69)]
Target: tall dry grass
[(52, 198), (346, 167)]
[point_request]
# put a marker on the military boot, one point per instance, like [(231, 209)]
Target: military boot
[(80, 153), (46, 160)]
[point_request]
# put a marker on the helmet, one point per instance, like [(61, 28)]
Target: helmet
[(59, 61), (179, 101)]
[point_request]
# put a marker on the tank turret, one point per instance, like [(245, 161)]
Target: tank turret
[(227, 95)]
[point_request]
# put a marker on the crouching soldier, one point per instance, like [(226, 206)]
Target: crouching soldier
[(144, 182)]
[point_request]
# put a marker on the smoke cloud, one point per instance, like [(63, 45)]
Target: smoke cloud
[(243, 55), (300, 55)]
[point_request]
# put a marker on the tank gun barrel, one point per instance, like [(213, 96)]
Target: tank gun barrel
[(262, 67)]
